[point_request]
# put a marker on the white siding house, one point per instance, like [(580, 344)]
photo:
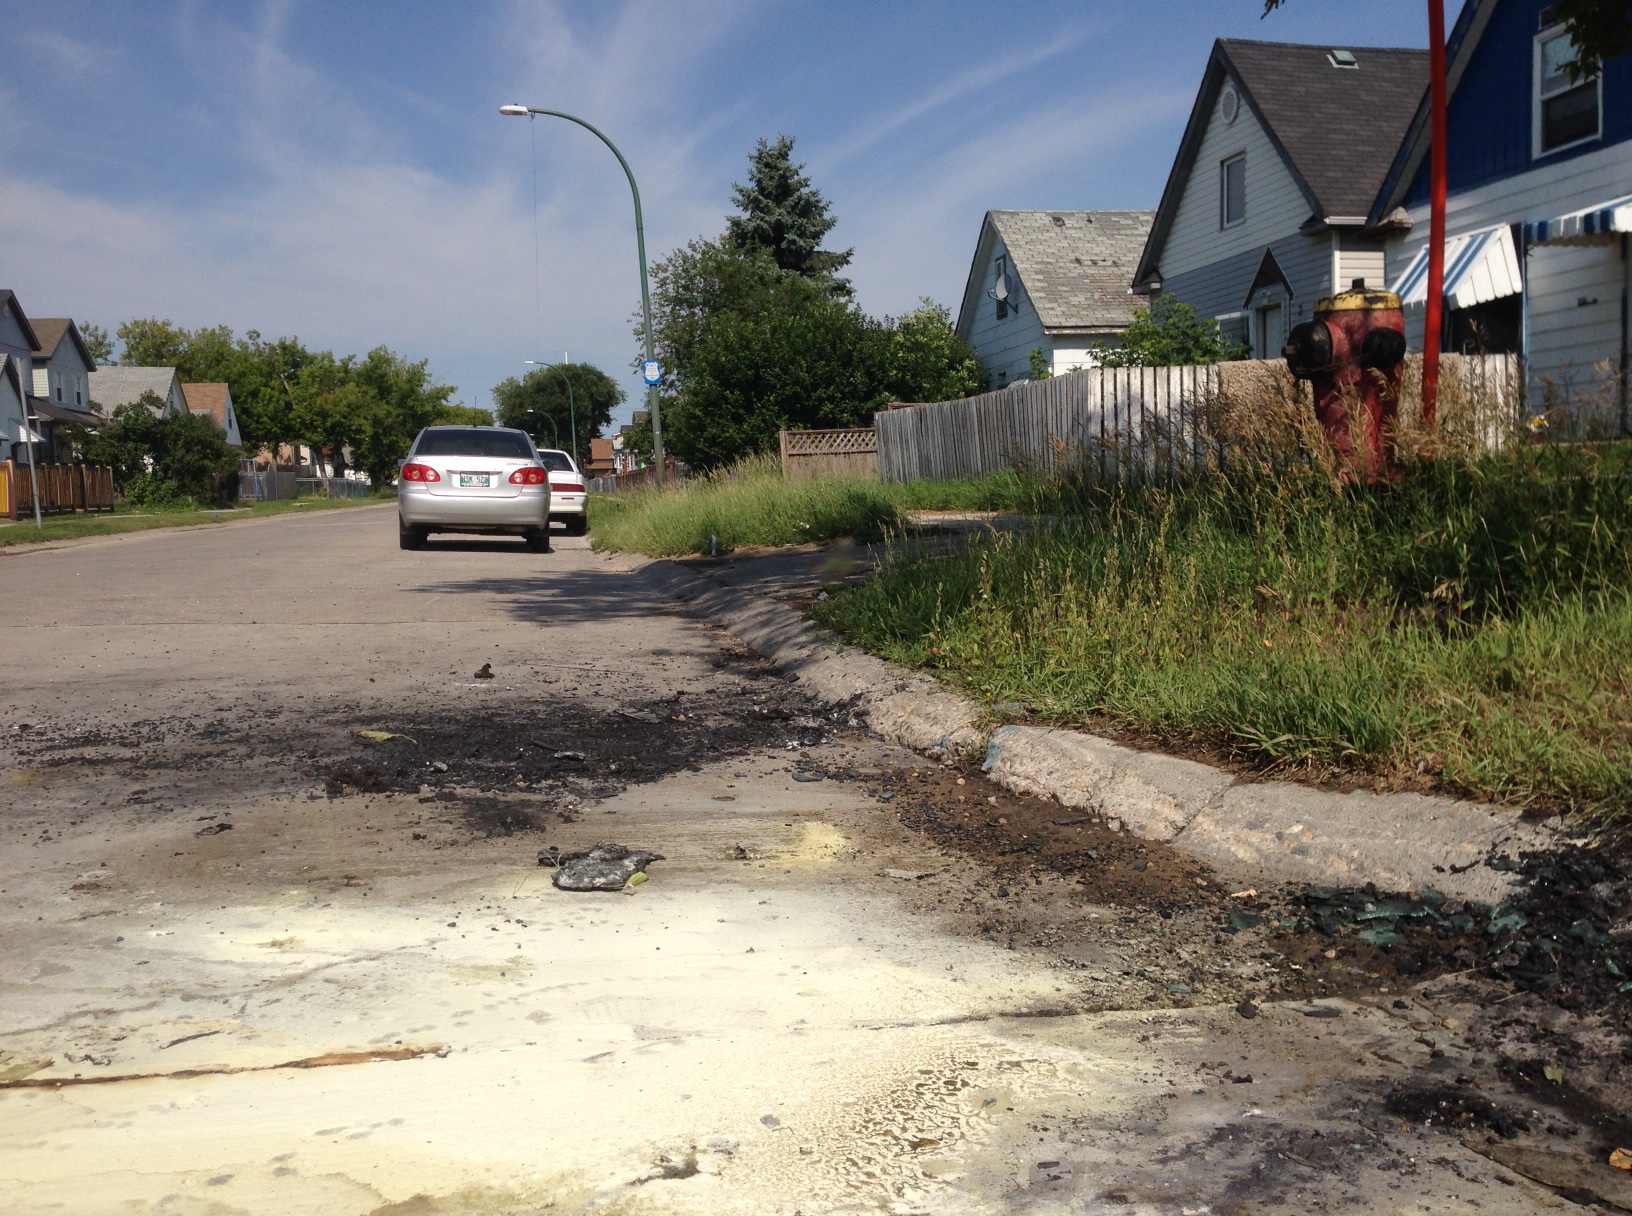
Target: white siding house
[(17, 342), (1055, 281), (1537, 227), (1265, 208)]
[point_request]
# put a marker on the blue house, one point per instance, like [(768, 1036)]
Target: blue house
[(1538, 209)]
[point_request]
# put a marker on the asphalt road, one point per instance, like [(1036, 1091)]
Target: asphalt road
[(365, 996)]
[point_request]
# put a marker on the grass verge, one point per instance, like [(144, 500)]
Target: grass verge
[(1471, 624), (128, 519), (751, 504)]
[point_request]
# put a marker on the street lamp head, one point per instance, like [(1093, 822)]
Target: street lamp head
[(530, 362), (514, 111)]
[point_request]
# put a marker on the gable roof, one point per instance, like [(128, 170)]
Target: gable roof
[(1336, 129), (209, 397), (1076, 266), (1413, 146), (49, 333), (8, 299), (112, 387)]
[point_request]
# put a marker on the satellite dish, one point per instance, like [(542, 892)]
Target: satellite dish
[(1229, 104)]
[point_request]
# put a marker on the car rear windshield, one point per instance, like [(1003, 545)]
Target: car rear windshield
[(556, 462), (474, 441)]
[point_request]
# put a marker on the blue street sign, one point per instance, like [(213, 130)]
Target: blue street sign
[(653, 371)]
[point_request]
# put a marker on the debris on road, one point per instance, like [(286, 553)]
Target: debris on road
[(213, 829), (381, 736), (485, 672), (911, 875), (802, 775), (605, 867), (637, 715)]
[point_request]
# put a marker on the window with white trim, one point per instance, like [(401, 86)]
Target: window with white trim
[(1232, 188), (1566, 111)]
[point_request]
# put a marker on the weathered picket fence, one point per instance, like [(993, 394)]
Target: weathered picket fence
[(1124, 422)]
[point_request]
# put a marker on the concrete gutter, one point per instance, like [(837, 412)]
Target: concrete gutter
[(1251, 830)]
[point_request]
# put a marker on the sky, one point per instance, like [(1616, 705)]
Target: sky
[(340, 171)]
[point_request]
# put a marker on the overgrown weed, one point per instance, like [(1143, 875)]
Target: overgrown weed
[(1469, 622)]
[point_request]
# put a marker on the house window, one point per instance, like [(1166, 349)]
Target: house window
[(1233, 190), (1566, 111), (59, 392), (1000, 288)]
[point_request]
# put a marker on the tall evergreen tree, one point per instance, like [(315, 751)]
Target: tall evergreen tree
[(783, 213)]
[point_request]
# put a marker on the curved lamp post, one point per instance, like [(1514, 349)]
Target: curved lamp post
[(572, 409), (521, 111)]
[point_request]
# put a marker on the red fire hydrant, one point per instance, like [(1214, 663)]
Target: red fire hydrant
[(1352, 352)]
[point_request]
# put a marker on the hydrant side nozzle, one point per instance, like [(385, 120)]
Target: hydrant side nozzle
[(1308, 349)]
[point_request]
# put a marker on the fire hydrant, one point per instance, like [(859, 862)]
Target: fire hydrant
[(1352, 352)]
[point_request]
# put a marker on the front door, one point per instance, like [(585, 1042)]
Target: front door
[(1271, 335)]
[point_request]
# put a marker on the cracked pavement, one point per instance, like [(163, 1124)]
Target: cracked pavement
[(365, 995)]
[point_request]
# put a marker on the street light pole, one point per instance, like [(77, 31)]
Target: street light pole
[(572, 408), (518, 111)]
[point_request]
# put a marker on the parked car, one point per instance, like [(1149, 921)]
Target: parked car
[(568, 491), (483, 479)]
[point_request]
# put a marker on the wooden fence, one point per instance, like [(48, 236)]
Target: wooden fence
[(807, 455), (1110, 417), (64, 488), (1148, 421)]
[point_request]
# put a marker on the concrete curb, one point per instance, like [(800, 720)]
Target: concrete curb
[(1253, 831)]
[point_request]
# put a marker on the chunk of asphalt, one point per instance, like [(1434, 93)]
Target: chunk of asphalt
[(605, 867)]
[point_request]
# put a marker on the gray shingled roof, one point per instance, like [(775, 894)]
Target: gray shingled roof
[(112, 387), (1340, 127), (1076, 266)]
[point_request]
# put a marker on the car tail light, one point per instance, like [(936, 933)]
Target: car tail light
[(569, 487), (420, 472), (532, 475)]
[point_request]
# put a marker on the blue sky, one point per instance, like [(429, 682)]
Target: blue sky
[(341, 172)]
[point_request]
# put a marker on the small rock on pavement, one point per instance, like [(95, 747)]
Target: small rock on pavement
[(1246, 1008), (605, 867), (213, 829), (908, 874), (485, 672)]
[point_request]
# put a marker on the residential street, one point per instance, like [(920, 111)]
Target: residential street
[(251, 962)]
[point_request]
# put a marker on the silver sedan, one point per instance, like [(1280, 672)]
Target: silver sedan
[(487, 480)]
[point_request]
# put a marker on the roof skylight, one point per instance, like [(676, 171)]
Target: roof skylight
[(1342, 59)]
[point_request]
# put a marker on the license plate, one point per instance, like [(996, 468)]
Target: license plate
[(475, 479)]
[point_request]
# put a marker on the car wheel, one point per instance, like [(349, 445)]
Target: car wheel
[(538, 539), (410, 536)]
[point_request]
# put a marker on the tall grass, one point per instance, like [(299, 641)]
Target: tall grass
[(750, 504), (1472, 620)]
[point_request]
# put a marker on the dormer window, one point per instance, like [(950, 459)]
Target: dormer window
[(1566, 111)]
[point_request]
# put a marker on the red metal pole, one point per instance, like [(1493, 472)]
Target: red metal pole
[(1436, 209)]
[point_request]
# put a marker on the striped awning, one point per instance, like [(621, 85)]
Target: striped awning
[(1587, 227), (1479, 267)]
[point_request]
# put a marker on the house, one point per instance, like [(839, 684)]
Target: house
[(214, 399), (1538, 205), (601, 458), (61, 366), (1266, 207), (112, 387), (17, 343), (48, 361), (1050, 280)]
